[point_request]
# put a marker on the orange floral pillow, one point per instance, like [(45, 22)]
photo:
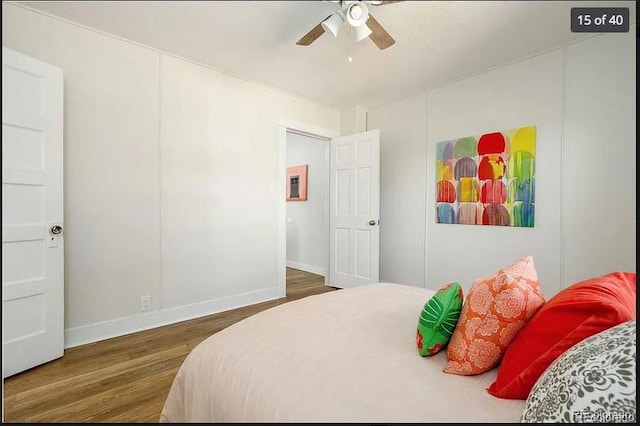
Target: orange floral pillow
[(495, 309)]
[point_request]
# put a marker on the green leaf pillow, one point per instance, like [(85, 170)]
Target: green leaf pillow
[(438, 319)]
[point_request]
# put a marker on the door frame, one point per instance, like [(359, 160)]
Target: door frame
[(306, 130)]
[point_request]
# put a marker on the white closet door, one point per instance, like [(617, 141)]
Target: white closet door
[(32, 243)]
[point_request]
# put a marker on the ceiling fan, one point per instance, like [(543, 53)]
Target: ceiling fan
[(356, 14)]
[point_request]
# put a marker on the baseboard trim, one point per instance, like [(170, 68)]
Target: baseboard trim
[(119, 327), (307, 268)]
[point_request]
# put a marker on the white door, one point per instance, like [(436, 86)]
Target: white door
[(32, 243), (354, 210)]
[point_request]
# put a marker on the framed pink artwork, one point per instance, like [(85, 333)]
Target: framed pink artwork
[(297, 183)]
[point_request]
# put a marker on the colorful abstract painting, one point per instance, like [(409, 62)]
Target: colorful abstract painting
[(487, 179)]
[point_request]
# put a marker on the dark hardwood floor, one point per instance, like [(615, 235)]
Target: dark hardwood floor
[(125, 379)]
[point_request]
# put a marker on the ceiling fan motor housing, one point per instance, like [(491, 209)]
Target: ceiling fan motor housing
[(357, 12)]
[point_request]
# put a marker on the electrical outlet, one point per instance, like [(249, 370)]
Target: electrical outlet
[(145, 303)]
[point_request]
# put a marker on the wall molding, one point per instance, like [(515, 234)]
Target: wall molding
[(147, 320), (307, 268)]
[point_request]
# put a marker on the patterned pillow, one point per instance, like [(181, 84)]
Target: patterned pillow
[(496, 308), (594, 381), (438, 319)]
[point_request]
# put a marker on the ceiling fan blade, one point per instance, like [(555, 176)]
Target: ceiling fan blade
[(379, 35), (312, 35)]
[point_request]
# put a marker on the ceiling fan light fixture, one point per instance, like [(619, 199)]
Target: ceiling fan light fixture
[(361, 32), (332, 23), (357, 14)]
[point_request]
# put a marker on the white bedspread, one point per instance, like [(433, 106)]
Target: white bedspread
[(343, 356)]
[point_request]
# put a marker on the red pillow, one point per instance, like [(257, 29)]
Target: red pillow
[(575, 313)]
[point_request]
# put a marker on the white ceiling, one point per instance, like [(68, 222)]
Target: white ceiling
[(436, 41)]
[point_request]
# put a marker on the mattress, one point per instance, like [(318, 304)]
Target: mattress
[(343, 356)]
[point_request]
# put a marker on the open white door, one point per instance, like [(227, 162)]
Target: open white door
[(32, 244), (354, 210)]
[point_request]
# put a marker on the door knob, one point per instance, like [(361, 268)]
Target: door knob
[(56, 229), (372, 222)]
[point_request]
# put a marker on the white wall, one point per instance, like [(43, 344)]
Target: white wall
[(171, 171), (307, 221), (599, 157), (353, 119), (403, 176), (582, 99), (522, 94), (111, 169)]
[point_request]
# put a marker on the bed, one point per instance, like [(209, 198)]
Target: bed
[(343, 356), (354, 355)]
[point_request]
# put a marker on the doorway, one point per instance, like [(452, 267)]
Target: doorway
[(320, 136), (353, 205), (307, 209)]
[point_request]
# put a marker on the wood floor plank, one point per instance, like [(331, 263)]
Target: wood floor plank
[(125, 379), (112, 376)]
